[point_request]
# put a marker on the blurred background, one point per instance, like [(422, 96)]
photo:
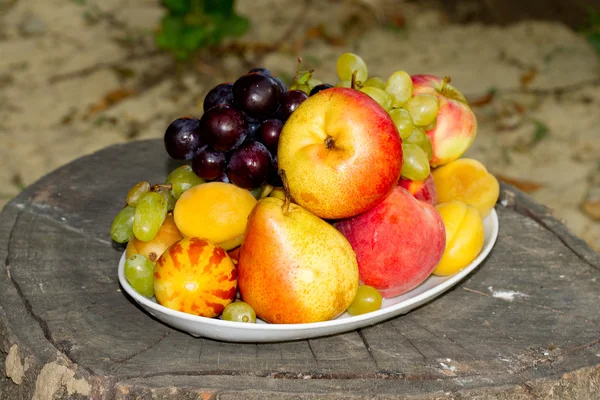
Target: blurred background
[(79, 75)]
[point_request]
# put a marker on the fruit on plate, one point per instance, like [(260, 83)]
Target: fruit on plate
[(235, 139), (294, 267), (397, 243), (238, 311), (367, 299), (139, 273), (456, 125), (152, 249), (467, 180), (464, 236), (341, 153), (422, 190), (195, 276), (216, 211)]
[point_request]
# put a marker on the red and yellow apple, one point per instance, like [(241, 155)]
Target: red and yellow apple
[(398, 243), (422, 190), (456, 125), (341, 153)]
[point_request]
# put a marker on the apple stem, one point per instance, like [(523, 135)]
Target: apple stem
[(329, 142), (445, 84), (286, 190)]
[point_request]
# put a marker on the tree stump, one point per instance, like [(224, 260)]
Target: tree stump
[(525, 324)]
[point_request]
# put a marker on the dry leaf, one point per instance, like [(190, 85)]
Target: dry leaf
[(526, 186), (528, 76), (591, 204), (483, 100), (111, 98), (319, 32), (592, 208)]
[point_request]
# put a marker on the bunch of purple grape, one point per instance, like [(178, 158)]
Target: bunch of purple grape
[(236, 138)]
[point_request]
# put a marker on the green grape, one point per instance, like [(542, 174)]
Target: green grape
[(169, 197), (312, 82), (431, 126), (415, 165), (150, 214), (367, 299), (349, 63), (182, 178), (121, 230), (403, 122), (420, 138), (238, 311), (136, 191), (139, 272), (380, 96), (423, 108), (375, 81), (346, 84), (400, 86)]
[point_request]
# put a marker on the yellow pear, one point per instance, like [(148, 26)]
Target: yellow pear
[(293, 266)]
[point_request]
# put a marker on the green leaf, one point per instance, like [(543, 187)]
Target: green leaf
[(594, 39), (541, 132), (219, 7), (235, 25), (193, 38), (170, 33), (177, 7)]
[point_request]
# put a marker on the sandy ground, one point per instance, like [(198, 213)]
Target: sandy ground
[(78, 75)]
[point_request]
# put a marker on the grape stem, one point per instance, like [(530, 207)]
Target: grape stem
[(159, 186), (286, 190), (353, 80)]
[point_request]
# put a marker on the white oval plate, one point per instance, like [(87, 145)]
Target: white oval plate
[(215, 328)]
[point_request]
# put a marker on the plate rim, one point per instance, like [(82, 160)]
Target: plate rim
[(382, 314)]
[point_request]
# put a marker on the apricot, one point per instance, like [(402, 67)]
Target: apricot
[(195, 276), (216, 211), (464, 236), (467, 180)]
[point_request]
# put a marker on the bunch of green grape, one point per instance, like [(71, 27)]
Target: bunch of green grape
[(148, 205), (412, 115)]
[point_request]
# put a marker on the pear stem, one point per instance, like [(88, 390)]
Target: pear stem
[(286, 190)]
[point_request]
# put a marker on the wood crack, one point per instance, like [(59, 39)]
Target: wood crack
[(366, 343), (145, 349), (411, 343), (28, 307), (525, 207)]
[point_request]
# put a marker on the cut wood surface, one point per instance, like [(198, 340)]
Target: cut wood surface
[(525, 324)]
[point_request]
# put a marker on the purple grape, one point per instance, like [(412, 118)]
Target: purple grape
[(224, 127), (253, 130), (222, 178), (208, 164), (290, 100), (281, 84), (257, 95), (268, 134), (263, 71), (320, 88), (182, 138), (220, 94), (274, 179), (249, 165)]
